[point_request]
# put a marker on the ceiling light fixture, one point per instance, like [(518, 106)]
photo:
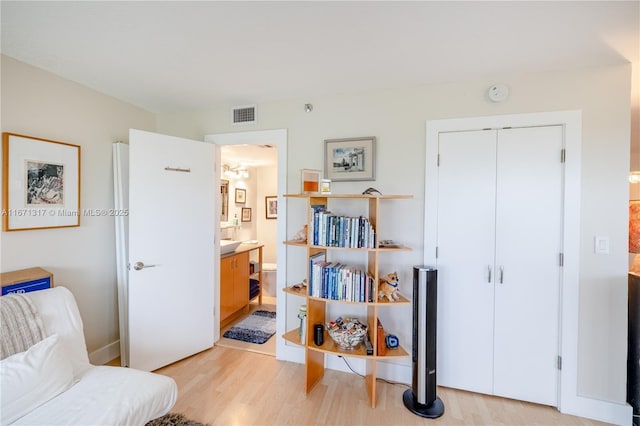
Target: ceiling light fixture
[(235, 172), (308, 107)]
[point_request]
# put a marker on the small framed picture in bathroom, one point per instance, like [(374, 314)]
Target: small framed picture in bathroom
[(241, 196), (271, 206), (246, 214)]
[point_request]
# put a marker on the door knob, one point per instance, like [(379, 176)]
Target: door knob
[(140, 265)]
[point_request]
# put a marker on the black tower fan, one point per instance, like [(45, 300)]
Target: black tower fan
[(421, 399)]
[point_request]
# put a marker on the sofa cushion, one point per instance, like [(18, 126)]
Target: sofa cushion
[(108, 396), (59, 312), (31, 378)]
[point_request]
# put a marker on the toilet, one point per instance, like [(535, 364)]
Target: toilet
[(269, 278)]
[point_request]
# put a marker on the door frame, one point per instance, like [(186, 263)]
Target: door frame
[(569, 401), (277, 137)]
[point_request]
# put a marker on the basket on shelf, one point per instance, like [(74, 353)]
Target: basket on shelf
[(347, 333)]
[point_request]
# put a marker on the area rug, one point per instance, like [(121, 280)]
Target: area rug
[(174, 419), (256, 328)]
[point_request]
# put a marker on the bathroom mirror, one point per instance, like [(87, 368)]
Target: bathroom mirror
[(224, 194)]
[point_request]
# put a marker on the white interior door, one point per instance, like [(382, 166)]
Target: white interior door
[(171, 231), (466, 235), (528, 244)]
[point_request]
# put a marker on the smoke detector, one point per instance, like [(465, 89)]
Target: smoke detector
[(498, 92)]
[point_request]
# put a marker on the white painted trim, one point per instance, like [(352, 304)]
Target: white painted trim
[(276, 137), (105, 354), (569, 402)]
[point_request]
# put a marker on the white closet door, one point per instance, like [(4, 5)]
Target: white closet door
[(466, 233), (528, 243)]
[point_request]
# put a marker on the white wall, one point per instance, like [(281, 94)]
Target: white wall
[(267, 228), (397, 118), (37, 103)]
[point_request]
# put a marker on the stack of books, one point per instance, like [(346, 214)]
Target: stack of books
[(332, 230), (337, 281)]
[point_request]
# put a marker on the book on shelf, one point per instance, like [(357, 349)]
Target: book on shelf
[(337, 281), (333, 230)]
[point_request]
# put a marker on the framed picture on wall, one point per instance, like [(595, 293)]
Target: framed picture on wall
[(271, 206), (246, 214), (41, 183), (350, 159), (241, 196)]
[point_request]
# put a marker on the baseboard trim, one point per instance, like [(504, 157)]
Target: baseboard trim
[(105, 354), (596, 409)]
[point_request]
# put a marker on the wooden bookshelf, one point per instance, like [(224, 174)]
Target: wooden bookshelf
[(317, 306)]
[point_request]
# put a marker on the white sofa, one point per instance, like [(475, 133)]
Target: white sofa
[(83, 394)]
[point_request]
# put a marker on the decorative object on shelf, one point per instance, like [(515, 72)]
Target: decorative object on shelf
[(246, 214), (310, 180), (241, 195), (388, 287), (41, 183), (347, 333), (392, 341), (302, 330), (325, 186), (371, 191), (388, 244), (271, 206), (300, 286), (350, 159), (381, 347), (318, 334), (301, 235)]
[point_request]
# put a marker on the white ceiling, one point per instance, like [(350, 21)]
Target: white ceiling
[(249, 155), (181, 56)]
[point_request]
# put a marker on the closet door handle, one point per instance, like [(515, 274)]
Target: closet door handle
[(489, 274), (501, 275)]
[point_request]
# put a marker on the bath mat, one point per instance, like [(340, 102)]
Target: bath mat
[(256, 328)]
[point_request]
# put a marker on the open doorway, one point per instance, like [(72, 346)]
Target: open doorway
[(252, 179), (249, 181)]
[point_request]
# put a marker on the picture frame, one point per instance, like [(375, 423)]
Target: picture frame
[(350, 159), (241, 196), (271, 207), (246, 214), (41, 183), (310, 181)]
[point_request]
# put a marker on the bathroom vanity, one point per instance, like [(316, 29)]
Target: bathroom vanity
[(235, 281)]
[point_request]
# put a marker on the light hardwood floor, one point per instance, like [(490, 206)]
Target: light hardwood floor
[(223, 386)]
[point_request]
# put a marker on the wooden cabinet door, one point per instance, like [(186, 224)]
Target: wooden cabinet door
[(227, 286), (241, 280)]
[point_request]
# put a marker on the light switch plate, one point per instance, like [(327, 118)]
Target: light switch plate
[(601, 245)]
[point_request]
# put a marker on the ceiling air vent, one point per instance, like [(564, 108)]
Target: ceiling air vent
[(244, 114)]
